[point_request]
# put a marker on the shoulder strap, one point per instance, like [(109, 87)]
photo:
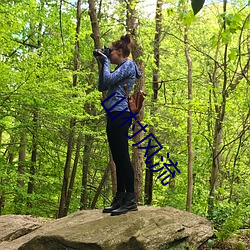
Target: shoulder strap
[(126, 88)]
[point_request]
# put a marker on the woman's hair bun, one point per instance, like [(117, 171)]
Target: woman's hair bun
[(126, 39), (123, 43)]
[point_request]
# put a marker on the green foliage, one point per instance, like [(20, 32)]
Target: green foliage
[(222, 211), (241, 245), (210, 244), (39, 80), (235, 221)]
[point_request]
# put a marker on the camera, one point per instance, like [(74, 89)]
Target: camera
[(106, 51)]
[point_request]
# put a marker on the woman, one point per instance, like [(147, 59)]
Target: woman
[(126, 71)]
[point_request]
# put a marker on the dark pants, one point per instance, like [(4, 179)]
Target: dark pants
[(118, 143)]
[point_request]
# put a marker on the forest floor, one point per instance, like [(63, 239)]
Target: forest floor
[(232, 243)]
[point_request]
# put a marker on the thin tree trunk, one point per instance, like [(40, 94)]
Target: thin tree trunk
[(22, 159), (99, 189), (78, 144), (64, 191), (2, 201), (85, 170), (157, 42), (19, 199), (171, 179), (73, 174), (1, 135), (1, 180), (241, 141), (34, 144), (32, 167), (33, 157), (95, 24), (234, 167), (137, 52), (77, 43), (66, 170), (97, 44), (217, 142), (211, 129), (2, 194), (2, 197), (189, 125), (11, 155), (35, 112)]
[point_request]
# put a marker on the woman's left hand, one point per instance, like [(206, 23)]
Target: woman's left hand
[(101, 58)]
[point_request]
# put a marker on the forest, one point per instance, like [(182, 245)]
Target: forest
[(195, 61)]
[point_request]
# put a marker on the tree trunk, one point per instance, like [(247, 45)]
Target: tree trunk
[(64, 191), (2, 198), (35, 111), (66, 176), (11, 155), (137, 52), (21, 159), (243, 130), (95, 24), (85, 170), (97, 45), (98, 191), (217, 141), (1, 135), (157, 42), (73, 174), (78, 144), (33, 157), (2, 201), (189, 125), (87, 147), (19, 198), (9, 160), (77, 43), (1, 179)]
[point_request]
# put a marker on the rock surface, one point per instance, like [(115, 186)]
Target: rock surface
[(148, 228), (15, 226)]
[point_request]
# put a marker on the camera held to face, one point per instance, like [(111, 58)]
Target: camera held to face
[(106, 51)]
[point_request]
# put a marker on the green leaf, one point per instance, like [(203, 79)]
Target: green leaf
[(197, 5), (170, 11), (188, 17), (218, 235), (233, 54), (226, 36)]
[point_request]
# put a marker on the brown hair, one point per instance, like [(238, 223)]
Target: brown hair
[(124, 44)]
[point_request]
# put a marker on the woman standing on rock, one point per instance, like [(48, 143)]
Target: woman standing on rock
[(125, 72)]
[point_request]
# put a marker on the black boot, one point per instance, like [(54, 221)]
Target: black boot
[(117, 200), (128, 204)]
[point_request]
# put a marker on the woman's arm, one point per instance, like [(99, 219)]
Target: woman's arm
[(101, 86), (123, 72)]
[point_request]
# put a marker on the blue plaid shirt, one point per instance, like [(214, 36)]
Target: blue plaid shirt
[(113, 82)]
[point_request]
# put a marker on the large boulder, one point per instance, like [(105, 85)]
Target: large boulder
[(148, 228), (15, 226)]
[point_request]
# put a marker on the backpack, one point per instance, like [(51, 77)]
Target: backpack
[(135, 101)]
